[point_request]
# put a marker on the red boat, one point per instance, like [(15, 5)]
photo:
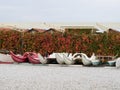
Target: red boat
[(19, 58), (33, 58)]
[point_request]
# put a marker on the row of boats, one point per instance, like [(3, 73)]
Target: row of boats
[(61, 58)]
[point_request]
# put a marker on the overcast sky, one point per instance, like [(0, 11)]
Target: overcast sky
[(59, 10)]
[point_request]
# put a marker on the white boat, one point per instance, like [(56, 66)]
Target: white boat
[(52, 55), (42, 59), (93, 57), (76, 56), (5, 58), (65, 54), (94, 60), (115, 61), (70, 55), (112, 62), (117, 64), (85, 59), (59, 58), (68, 60)]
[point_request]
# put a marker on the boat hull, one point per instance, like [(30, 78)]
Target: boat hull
[(5, 58), (42, 59), (33, 58), (67, 60), (18, 59), (59, 58)]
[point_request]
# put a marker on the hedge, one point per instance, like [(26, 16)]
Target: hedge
[(101, 44)]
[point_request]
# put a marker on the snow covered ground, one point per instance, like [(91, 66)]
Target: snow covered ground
[(53, 77)]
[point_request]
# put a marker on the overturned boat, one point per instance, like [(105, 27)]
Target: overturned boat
[(59, 58), (33, 58), (6, 59), (85, 60), (19, 58), (68, 60), (88, 61), (42, 59)]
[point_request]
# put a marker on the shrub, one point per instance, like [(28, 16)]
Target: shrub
[(101, 44)]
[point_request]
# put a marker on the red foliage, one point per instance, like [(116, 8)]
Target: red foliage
[(25, 42)]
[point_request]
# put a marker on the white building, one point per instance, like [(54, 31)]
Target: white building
[(101, 27)]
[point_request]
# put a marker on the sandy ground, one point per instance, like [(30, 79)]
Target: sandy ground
[(38, 77)]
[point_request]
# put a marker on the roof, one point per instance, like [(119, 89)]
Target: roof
[(35, 29), (5, 29), (8, 29), (77, 27), (113, 30), (51, 29), (61, 26), (109, 26)]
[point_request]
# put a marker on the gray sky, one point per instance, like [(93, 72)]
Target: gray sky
[(59, 10)]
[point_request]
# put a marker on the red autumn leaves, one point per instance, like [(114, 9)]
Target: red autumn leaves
[(103, 44)]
